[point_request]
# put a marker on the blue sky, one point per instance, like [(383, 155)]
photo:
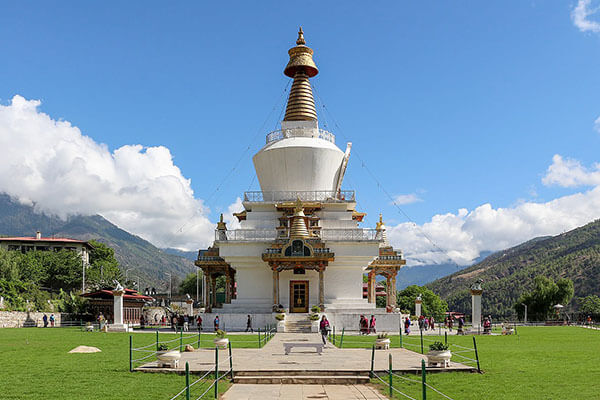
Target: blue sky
[(452, 103)]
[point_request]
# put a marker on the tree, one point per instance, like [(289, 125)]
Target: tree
[(104, 267), (432, 303), (545, 294), (589, 304), (188, 285)]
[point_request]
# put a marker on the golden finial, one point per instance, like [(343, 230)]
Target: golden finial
[(300, 40), (298, 209), (221, 225), (380, 224)]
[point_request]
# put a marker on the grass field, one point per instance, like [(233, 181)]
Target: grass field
[(36, 365), (538, 363)]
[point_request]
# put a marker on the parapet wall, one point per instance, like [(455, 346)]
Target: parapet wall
[(20, 319)]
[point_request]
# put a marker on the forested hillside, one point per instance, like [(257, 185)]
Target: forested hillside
[(132, 252), (509, 273)]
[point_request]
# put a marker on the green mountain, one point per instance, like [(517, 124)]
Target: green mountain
[(135, 254), (507, 274)]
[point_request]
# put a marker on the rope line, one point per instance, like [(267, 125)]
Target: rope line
[(393, 388), (437, 391), (381, 187)]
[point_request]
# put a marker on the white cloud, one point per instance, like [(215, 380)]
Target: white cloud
[(570, 173), (581, 16), (51, 164), (410, 198), (464, 235), (597, 125)]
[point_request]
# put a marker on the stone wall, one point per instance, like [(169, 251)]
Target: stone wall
[(19, 319)]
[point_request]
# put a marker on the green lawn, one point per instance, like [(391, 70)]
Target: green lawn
[(538, 363), (36, 365)]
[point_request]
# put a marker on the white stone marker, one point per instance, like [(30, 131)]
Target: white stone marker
[(418, 302), (189, 307), (476, 292), (118, 324)]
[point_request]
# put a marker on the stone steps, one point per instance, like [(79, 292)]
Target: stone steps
[(309, 379)]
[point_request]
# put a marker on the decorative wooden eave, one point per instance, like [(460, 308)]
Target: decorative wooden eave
[(313, 259), (241, 216), (358, 216), (308, 206), (210, 258)]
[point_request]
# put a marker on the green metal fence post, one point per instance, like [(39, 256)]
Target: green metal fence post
[(476, 354), (258, 337), (181, 340), (390, 375), (157, 340), (342, 338), (421, 341), (199, 338), (216, 372), (372, 374), (230, 362), (130, 353), (446, 338), (424, 379), (334, 335), (187, 381)]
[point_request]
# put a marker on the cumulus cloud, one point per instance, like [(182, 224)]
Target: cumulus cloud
[(597, 125), (583, 16), (463, 235), (570, 173), (410, 198), (53, 166)]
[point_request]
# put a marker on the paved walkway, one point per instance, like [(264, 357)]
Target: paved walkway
[(272, 358), (302, 392)]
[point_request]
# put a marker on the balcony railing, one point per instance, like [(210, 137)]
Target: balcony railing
[(268, 235), (300, 132), (326, 196)]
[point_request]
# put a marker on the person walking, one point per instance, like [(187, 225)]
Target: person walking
[(249, 324), (186, 323), (372, 325), (45, 319), (450, 323), (52, 320), (174, 322), (431, 323), (199, 323), (216, 323), (407, 325), (324, 328)]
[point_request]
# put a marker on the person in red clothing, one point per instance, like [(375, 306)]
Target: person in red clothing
[(324, 328)]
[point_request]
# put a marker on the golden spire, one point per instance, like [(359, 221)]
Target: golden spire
[(221, 225), (298, 228), (301, 104), (381, 232), (380, 224)]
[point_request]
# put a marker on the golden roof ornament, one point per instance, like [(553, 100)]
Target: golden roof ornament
[(301, 104), (381, 232), (298, 228), (380, 225), (222, 226)]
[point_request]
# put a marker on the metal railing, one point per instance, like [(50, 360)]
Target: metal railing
[(300, 132), (326, 196), (267, 235)]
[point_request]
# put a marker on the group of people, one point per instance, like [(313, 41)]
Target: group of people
[(51, 319), (366, 325), (426, 323)]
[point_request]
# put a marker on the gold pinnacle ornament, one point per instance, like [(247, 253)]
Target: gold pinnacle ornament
[(301, 104)]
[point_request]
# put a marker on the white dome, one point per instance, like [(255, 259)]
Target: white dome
[(298, 164)]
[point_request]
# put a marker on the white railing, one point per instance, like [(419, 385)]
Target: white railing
[(300, 132), (328, 196), (267, 235)]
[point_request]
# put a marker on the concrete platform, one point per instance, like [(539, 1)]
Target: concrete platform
[(271, 360)]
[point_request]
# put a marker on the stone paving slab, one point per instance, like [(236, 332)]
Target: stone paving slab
[(272, 358), (302, 392)]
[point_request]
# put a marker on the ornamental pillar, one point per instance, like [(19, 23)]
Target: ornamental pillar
[(275, 287), (372, 287), (321, 290), (476, 308), (118, 307), (418, 302), (207, 304), (388, 292), (189, 307), (213, 288), (392, 290), (227, 288), (369, 288)]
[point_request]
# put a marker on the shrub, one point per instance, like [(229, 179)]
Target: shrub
[(382, 335), (314, 317), (280, 317), (315, 309), (438, 346), (220, 334), (162, 347)]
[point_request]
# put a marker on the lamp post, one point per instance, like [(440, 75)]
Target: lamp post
[(166, 273), (127, 274), (197, 285), (525, 319), (83, 276)]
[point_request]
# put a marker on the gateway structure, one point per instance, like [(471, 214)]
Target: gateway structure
[(300, 243)]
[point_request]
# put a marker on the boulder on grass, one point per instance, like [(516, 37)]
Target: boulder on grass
[(189, 347), (85, 349)]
